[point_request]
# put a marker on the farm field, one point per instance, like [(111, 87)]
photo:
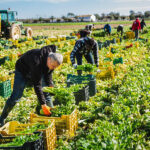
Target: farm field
[(117, 117)]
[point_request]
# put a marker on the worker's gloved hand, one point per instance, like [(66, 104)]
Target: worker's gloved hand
[(51, 86), (98, 70), (46, 110), (75, 66)]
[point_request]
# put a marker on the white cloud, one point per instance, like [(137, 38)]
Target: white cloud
[(49, 1), (127, 1)]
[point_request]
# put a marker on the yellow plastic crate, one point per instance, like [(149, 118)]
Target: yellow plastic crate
[(12, 128), (106, 72), (66, 57), (53, 39), (60, 45), (72, 42), (130, 35), (65, 125)]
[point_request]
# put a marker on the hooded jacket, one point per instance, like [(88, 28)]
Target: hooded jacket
[(136, 25)]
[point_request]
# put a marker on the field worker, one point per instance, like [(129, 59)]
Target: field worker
[(85, 46), (107, 29), (120, 29), (36, 66), (136, 26), (89, 27), (142, 24)]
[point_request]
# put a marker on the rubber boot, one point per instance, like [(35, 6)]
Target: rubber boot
[(5, 113)]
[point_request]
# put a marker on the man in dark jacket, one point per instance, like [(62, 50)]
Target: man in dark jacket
[(35, 66), (85, 46), (120, 29), (142, 24), (89, 28)]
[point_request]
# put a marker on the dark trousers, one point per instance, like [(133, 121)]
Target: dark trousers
[(88, 57), (136, 34), (19, 85)]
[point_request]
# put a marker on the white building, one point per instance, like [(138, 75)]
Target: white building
[(87, 18)]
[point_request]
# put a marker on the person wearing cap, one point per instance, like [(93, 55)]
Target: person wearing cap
[(107, 29), (35, 66), (142, 24), (120, 29), (136, 26), (85, 46), (89, 27)]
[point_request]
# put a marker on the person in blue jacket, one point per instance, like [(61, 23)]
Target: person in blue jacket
[(107, 29)]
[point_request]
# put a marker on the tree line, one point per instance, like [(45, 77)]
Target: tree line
[(71, 17)]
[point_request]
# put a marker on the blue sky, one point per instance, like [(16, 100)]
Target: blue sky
[(58, 8)]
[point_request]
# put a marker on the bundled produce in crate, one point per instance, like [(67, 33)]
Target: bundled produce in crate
[(47, 127), (22, 142), (66, 125), (64, 98), (87, 68)]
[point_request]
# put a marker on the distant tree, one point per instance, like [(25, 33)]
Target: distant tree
[(69, 20), (138, 15), (97, 16), (76, 17), (132, 15), (70, 14), (123, 17), (116, 16), (64, 18), (35, 21), (147, 14), (110, 16), (132, 12), (52, 18), (40, 19), (102, 16), (58, 20)]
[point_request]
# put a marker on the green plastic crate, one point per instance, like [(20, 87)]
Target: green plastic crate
[(88, 79), (5, 88), (82, 95)]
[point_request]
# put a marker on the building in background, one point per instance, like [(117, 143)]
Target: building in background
[(87, 18)]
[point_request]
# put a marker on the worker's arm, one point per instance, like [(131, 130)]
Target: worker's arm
[(104, 27), (36, 76), (77, 47), (48, 78)]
